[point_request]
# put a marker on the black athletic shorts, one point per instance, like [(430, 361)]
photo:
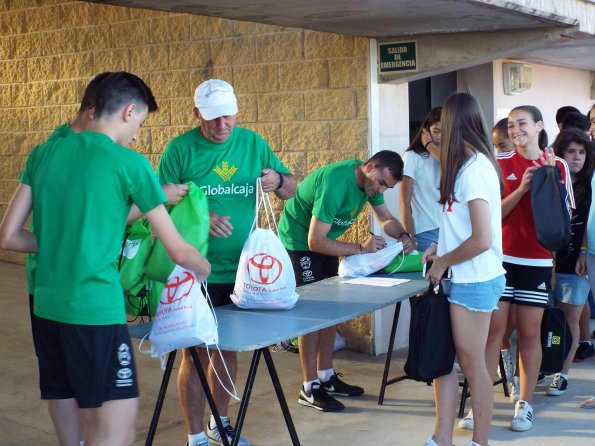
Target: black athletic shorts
[(220, 293), (91, 363), (310, 267), (527, 285)]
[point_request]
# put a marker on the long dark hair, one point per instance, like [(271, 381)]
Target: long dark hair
[(432, 118), (583, 178), (463, 130), (536, 115)]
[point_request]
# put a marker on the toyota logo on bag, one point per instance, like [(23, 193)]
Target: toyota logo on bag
[(172, 286), (264, 269)]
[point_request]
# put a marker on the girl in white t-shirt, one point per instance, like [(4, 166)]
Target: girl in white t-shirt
[(420, 211), (470, 246)]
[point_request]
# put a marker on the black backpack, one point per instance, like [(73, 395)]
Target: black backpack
[(431, 346), (556, 340), (550, 212)]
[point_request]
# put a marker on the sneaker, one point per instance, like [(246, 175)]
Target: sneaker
[(589, 403), (467, 422), (202, 443), (515, 389), (523, 417), (335, 386), (558, 386), (584, 351), (430, 441), (319, 399), (215, 437), (508, 365)]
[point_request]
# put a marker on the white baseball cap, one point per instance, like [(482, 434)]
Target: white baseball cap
[(215, 98)]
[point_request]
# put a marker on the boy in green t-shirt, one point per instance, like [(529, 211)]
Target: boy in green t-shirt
[(326, 204), (80, 188)]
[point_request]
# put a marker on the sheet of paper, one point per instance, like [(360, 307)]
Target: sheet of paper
[(376, 281)]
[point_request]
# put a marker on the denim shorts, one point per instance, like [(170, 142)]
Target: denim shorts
[(478, 296), (571, 289), (425, 239)]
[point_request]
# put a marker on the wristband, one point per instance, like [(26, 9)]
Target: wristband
[(405, 233), (427, 144), (281, 181)]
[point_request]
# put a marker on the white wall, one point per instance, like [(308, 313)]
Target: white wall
[(393, 127), (552, 88)]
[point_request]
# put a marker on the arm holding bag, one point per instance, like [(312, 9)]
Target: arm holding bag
[(191, 218), (431, 346), (550, 210)]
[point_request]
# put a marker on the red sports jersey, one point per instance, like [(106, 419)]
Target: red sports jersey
[(519, 239)]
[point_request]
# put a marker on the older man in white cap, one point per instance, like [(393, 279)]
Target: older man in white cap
[(224, 160)]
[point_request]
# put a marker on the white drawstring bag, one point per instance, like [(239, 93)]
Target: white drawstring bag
[(184, 317), (360, 265), (265, 277)]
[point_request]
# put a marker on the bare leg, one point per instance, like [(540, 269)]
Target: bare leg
[(220, 395), (114, 422), (190, 392), (65, 416), (573, 313), (498, 324), (529, 343), (446, 392), (584, 321), (470, 333), (308, 346), (326, 344)]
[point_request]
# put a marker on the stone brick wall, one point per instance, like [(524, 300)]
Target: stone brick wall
[(304, 91)]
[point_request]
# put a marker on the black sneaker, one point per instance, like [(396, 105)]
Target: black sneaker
[(335, 386), (584, 351), (558, 386), (319, 399)]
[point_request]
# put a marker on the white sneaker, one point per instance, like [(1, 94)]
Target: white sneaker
[(515, 389), (523, 417), (430, 441), (467, 422), (508, 365)]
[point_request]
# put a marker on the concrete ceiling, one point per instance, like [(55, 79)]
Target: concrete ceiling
[(386, 19)]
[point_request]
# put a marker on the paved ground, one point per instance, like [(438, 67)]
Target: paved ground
[(405, 419)]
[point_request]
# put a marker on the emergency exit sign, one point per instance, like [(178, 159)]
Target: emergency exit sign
[(397, 57)]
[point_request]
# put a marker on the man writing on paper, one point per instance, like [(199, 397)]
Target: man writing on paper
[(326, 204)]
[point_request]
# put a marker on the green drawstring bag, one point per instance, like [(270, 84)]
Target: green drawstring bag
[(135, 251), (404, 263), (191, 218)]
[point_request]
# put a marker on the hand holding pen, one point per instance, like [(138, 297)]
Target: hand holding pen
[(374, 243)]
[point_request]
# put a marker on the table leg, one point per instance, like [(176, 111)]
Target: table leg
[(281, 397), (209, 396), (389, 354), (160, 398), (246, 395)]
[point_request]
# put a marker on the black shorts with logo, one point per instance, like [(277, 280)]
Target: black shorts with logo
[(91, 363), (310, 267), (527, 285)]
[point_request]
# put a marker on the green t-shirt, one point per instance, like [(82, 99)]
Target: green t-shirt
[(31, 261), (227, 175), (330, 194), (83, 186)]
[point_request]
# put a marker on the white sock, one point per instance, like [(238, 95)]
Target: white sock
[(325, 375), (224, 421), (308, 384), (196, 439)]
